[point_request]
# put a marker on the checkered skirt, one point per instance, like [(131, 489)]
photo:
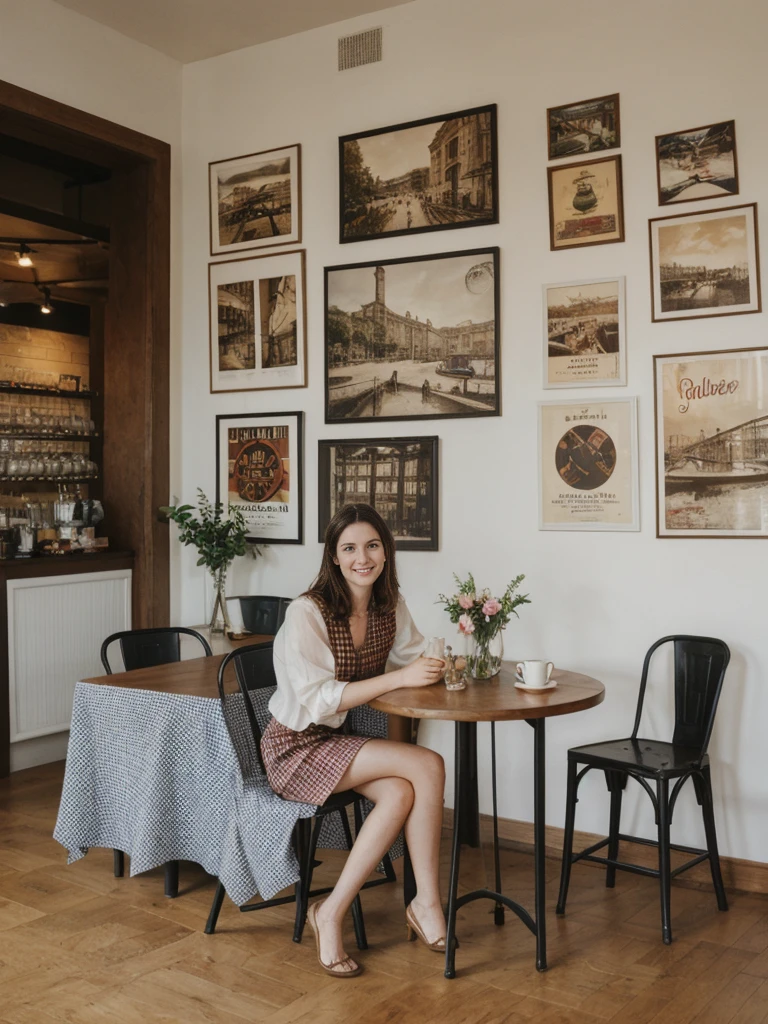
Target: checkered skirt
[(308, 765)]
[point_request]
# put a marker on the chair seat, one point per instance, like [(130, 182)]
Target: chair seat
[(645, 757)]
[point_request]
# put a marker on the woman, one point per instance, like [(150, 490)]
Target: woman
[(330, 655)]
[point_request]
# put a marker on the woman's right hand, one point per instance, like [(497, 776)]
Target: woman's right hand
[(423, 672)]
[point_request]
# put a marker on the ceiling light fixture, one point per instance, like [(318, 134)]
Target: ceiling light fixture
[(22, 256), (45, 305)]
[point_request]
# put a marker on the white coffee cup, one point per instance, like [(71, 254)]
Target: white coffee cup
[(534, 673)]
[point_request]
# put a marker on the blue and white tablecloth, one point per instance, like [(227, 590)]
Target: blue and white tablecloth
[(157, 776)]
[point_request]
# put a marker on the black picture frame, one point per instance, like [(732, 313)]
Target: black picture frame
[(423, 484), (366, 390), (265, 524), (698, 146), (456, 181), (605, 110)]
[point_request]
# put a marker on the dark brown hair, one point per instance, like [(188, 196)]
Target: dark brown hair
[(331, 587)]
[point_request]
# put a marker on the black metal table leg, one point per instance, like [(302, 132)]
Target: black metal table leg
[(409, 881), (470, 819), (172, 879), (453, 883), (498, 910), (539, 839)]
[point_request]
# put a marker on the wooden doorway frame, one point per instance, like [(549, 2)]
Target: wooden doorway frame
[(136, 328)]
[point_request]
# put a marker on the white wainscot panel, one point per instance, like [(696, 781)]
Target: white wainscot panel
[(56, 626)]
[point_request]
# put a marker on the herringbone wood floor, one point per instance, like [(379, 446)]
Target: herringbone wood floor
[(80, 946)]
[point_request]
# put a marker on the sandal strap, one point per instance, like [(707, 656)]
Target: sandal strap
[(337, 963)]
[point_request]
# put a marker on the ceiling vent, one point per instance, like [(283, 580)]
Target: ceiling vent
[(361, 48)]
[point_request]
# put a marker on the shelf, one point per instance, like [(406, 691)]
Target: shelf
[(39, 436), (48, 479), (15, 389)]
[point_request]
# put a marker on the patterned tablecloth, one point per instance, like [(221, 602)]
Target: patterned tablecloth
[(158, 776)]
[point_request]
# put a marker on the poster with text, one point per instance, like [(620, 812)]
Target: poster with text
[(584, 333), (259, 472), (588, 465)]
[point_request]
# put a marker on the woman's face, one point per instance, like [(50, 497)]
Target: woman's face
[(360, 556)]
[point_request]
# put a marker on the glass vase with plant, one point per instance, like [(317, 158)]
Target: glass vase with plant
[(219, 539), (481, 618)]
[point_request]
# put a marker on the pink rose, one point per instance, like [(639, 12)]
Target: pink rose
[(466, 625), (466, 601), (491, 606)]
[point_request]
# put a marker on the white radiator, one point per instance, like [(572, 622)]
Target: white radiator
[(56, 626)]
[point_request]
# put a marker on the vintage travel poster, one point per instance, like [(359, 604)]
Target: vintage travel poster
[(712, 444), (584, 333), (585, 203), (259, 472), (588, 465)]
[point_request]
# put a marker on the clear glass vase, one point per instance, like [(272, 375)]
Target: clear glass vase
[(219, 617), (485, 656)]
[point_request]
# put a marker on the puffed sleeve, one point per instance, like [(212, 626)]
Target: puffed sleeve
[(409, 643), (307, 692)]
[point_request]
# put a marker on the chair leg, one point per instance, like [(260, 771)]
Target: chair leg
[(616, 782), (357, 907), (172, 879), (213, 917), (703, 785), (665, 880), (570, 819), (118, 860), (304, 847)]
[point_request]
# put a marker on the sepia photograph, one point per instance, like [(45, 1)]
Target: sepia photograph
[(705, 264), (428, 175), (413, 338), (584, 333), (699, 163), (712, 444), (255, 200), (586, 127), (588, 465), (397, 476), (257, 322), (585, 203), (259, 472)]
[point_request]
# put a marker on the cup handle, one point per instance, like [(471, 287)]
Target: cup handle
[(519, 673), (550, 667)]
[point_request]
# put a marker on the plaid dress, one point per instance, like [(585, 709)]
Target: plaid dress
[(307, 766)]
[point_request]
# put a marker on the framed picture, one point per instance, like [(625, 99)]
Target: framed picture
[(413, 339), (429, 175), (259, 470), (588, 465), (712, 444), (397, 476), (257, 322), (705, 264), (584, 333), (586, 127), (585, 203), (699, 163), (255, 200)]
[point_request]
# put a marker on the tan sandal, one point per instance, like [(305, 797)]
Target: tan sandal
[(330, 968), (414, 929)]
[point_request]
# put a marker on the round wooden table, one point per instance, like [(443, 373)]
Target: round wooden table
[(494, 700)]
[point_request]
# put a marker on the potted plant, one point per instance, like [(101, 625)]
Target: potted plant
[(481, 618), (219, 539)]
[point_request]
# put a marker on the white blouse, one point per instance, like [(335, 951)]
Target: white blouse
[(307, 691)]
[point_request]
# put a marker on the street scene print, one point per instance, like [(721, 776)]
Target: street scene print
[(699, 163), (585, 203), (254, 200), (712, 444), (705, 264), (586, 127), (584, 333), (413, 339), (257, 323), (589, 471), (423, 176), (397, 476)]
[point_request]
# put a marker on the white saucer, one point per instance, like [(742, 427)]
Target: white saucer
[(551, 685)]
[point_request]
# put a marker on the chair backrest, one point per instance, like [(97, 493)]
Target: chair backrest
[(255, 675), (700, 663), (263, 614), (144, 648)]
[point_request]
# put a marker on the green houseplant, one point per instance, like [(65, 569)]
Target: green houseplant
[(219, 539)]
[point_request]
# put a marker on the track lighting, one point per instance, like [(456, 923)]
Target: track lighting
[(22, 256)]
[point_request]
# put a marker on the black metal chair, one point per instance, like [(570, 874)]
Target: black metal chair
[(255, 676), (262, 614), (699, 669), (145, 648)]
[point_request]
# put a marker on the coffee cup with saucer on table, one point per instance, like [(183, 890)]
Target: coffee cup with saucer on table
[(534, 675)]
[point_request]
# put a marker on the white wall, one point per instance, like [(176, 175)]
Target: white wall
[(599, 599)]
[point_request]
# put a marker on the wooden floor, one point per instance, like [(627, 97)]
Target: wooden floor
[(80, 946)]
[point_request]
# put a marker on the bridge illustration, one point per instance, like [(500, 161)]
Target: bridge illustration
[(739, 454)]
